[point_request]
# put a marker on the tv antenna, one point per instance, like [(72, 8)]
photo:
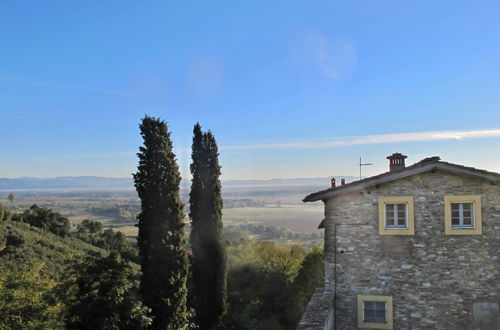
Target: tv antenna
[(361, 165)]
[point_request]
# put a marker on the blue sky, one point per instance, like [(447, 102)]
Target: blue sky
[(289, 88)]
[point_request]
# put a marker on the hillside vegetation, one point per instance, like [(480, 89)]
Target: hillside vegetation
[(49, 276), (21, 243)]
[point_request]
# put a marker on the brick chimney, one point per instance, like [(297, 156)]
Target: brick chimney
[(396, 162)]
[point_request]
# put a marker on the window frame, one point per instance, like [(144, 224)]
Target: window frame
[(388, 324), (365, 309), (409, 229), (476, 228), (461, 224), (396, 217)]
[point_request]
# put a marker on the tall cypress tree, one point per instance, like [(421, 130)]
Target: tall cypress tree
[(161, 239), (209, 268)]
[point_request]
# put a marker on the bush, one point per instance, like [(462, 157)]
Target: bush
[(102, 293), (28, 300), (47, 219)]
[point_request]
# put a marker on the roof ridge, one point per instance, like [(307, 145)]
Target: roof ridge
[(426, 164)]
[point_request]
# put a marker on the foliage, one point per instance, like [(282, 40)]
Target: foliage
[(91, 231), (5, 214), (27, 299), (284, 260), (14, 240), (100, 293), (310, 274), (121, 213), (114, 240), (161, 239), (209, 260), (270, 285), (273, 233), (243, 202), (23, 243), (11, 197), (47, 219)]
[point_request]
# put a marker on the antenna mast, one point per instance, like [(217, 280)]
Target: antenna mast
[(360, 165)]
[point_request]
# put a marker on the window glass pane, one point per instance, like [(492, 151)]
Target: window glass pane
[(389, 214), (369, 305), (395, 215), (467, 206), (369, 315), (375, 311), (401, 214), (462, 214), (467, 221), (380, 316)]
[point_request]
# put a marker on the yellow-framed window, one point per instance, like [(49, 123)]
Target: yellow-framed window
[(375, 312), (396, 215), (462, 215)]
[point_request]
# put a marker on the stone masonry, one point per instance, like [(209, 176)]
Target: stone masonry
[(437, 281), (319, 314)]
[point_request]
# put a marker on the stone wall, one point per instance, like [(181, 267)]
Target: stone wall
[(319, 313), (436, 280)]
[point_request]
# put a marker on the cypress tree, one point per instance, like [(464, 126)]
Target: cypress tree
[(161, 239), (209, 262)]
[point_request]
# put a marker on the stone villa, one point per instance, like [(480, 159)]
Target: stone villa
[(413, 248)]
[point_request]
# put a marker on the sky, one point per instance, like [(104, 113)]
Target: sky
[(289, 88)]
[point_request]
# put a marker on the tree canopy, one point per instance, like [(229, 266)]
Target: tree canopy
[(27, 299), (209, 260), (101, 294), (161, 238), (47, 219)]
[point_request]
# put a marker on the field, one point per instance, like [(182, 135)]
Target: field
[(297, 218), (264, 212)]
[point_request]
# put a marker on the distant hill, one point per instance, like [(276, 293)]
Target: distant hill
[(325, 181), (104, 183)]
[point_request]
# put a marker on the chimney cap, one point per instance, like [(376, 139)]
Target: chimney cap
[(396, 162), (397, 155)]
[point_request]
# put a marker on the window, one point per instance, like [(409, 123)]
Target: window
[(375, 312), (396, 215), (462, 215)]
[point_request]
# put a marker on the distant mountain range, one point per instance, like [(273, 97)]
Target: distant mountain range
[(104, 183), (292, 181)]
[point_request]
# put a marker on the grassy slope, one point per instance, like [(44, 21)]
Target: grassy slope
[(40, 245)]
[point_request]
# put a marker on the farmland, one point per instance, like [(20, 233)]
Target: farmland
[(260, 211)]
